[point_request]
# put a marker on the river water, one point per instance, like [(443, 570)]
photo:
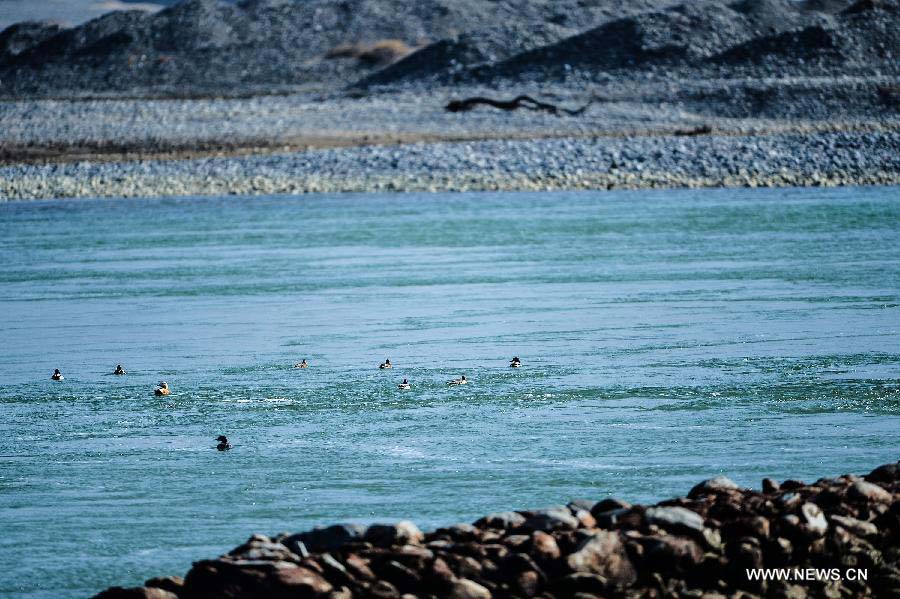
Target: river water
[(666, 337)]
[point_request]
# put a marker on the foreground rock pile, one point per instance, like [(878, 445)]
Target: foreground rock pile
[(697, 546)]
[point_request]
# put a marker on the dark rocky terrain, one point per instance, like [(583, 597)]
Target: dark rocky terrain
[(210, 78), (212, 47), (700, 545)]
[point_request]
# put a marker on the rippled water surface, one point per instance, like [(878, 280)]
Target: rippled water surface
[(666, 337)]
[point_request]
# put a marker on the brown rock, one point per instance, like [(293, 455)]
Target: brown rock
[(770, 485), (582, 584), (603, 553), (341, 593), (405, 579), (528, 583), (441, 572), (301, 582), (501, 520), (544, 546), (667, 553), (173, 584), (401, 533), (358, 567), (384, 590), (887, 473), (463, 588), (608, 504), (857, 527), (515, 542), (712, 486), (558, 518), (863, 491), (585, 519)]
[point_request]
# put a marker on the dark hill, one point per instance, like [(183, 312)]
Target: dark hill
[(208, 46)]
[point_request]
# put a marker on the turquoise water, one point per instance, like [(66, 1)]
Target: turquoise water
[(666, 337)]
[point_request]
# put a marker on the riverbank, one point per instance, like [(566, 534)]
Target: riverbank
[(627, 162), (834, 538)]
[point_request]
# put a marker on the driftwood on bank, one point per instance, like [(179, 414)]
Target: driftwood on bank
[(523, 101)]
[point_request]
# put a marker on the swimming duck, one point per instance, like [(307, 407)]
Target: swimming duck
[(119, 369), (404, 385), (223, 445), (515, 362), (460, 381), (386, 364), (57, 375), (302, 364), (162, 388)]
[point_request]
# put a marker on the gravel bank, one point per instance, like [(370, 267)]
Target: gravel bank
[(701, 545), (840, 158)]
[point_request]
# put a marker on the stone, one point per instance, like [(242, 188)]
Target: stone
[(675, 519), (610, 503), (173, 584), (302, 582), (811, 515), (463, 588), (864, 491), (610, 518), (581, 504), (585, 519), (857, 527), (886, 473), (770, 485), (603, 553), (552, 519), (385, 535), (382, 589), (582, 584), (528, 583), (671, 553), (501, 520), (544, 546), (331, 538), (358, 567), (713, 485)]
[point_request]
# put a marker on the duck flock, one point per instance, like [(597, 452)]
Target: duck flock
[(162, 388)]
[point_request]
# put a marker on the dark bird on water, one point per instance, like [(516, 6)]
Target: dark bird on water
[(223, 445)]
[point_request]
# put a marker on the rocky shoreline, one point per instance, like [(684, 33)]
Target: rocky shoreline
[(571, 163), (834, 538)]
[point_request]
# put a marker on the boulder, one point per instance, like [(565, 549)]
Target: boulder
[(555, 518), (544, 546), (886, 473), (608, 504), (669, 553), (770, 485), (675, 519), (463, 588), (173, 584), (401, 533), (501, 520), (300, 582), (812, 517), (320, 540), (603, 553), (713, 485), (864, 491)]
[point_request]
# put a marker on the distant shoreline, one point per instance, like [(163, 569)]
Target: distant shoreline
[(846, 158)]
